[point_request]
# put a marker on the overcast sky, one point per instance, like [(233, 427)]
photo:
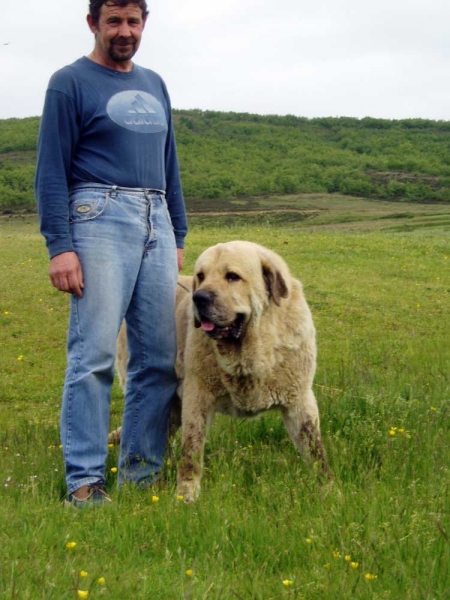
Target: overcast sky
[(312, 58)]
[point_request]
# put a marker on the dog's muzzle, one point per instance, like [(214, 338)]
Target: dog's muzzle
[(207, 317)]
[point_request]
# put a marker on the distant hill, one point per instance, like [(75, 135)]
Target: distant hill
[(233, 155)]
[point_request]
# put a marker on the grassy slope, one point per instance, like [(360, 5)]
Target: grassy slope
[(380, 299), (233, 155)]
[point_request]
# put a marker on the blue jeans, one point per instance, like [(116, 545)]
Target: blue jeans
[(126, 245)]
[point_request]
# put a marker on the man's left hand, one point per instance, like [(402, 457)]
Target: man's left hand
[(180, 258)]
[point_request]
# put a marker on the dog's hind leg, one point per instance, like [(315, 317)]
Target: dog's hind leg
[(303, 425), (121, 370)]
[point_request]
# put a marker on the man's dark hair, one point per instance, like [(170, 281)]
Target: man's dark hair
[(95, 6)]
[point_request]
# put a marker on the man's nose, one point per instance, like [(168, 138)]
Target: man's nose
[(124, 30)]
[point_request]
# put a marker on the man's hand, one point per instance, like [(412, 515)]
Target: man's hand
[(180, 258), (66, 274)]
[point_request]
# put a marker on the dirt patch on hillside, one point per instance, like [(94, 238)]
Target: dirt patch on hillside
[(383, 177), (256, 211)]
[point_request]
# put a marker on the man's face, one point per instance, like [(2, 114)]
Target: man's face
[(117, 33)]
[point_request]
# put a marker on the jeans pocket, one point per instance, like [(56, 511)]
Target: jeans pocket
[(87, 205)]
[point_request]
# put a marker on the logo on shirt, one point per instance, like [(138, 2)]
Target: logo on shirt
[(137, 111)]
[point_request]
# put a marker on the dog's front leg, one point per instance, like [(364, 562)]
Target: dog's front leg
[(302, 423), (197, 417)]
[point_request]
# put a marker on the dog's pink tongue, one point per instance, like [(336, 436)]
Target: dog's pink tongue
[(207, 326)]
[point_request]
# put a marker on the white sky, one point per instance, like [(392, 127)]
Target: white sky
[(313, 58)]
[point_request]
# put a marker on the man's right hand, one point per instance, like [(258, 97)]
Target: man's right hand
[(66, 274)]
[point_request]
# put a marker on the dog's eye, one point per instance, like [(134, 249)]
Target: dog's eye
[(230, 276), (200, 277)]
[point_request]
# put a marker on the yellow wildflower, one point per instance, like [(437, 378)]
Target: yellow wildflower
[(155, 498), (354, 565), (110, 446), (370, 577), (336, 554), (19, 358), (180, 498), (101, 581), (189, 572), (70, 545), (288, 583), (84, 573), (82, 593), (308, 540), (347, 557), (113, 469), (392, 432)]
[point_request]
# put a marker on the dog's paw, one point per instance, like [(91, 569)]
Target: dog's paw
[(114, 436), (189, 491)]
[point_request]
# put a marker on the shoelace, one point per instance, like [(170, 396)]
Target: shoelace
[(97, 488)]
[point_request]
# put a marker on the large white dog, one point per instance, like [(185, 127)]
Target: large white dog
[(246, 344)]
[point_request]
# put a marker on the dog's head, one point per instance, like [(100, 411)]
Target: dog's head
[(234, 283)]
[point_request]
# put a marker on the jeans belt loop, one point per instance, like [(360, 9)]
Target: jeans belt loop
[(113, 192)]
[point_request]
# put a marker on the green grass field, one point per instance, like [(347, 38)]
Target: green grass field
[(377, 277)]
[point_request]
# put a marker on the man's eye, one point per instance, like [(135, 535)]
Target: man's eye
[(230, 276)]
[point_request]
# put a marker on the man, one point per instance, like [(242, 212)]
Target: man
[(112, 212)]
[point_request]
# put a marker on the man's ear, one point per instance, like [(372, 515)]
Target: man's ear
[(91, 24)]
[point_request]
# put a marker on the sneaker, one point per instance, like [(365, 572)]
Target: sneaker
[(93, 494)]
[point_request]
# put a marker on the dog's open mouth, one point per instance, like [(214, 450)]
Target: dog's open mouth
[(233, 331)]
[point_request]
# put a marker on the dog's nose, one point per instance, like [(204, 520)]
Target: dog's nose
[(202, 299)]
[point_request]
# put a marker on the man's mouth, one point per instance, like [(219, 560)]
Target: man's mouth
[(123, 43)]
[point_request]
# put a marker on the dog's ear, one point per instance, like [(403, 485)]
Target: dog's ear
[(276, 276), (275, 285)]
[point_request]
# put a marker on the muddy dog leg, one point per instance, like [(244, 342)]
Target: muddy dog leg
[(303, 425), (196, 421)]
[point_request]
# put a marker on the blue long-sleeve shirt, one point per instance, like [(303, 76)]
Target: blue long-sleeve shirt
[(104, 126)]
